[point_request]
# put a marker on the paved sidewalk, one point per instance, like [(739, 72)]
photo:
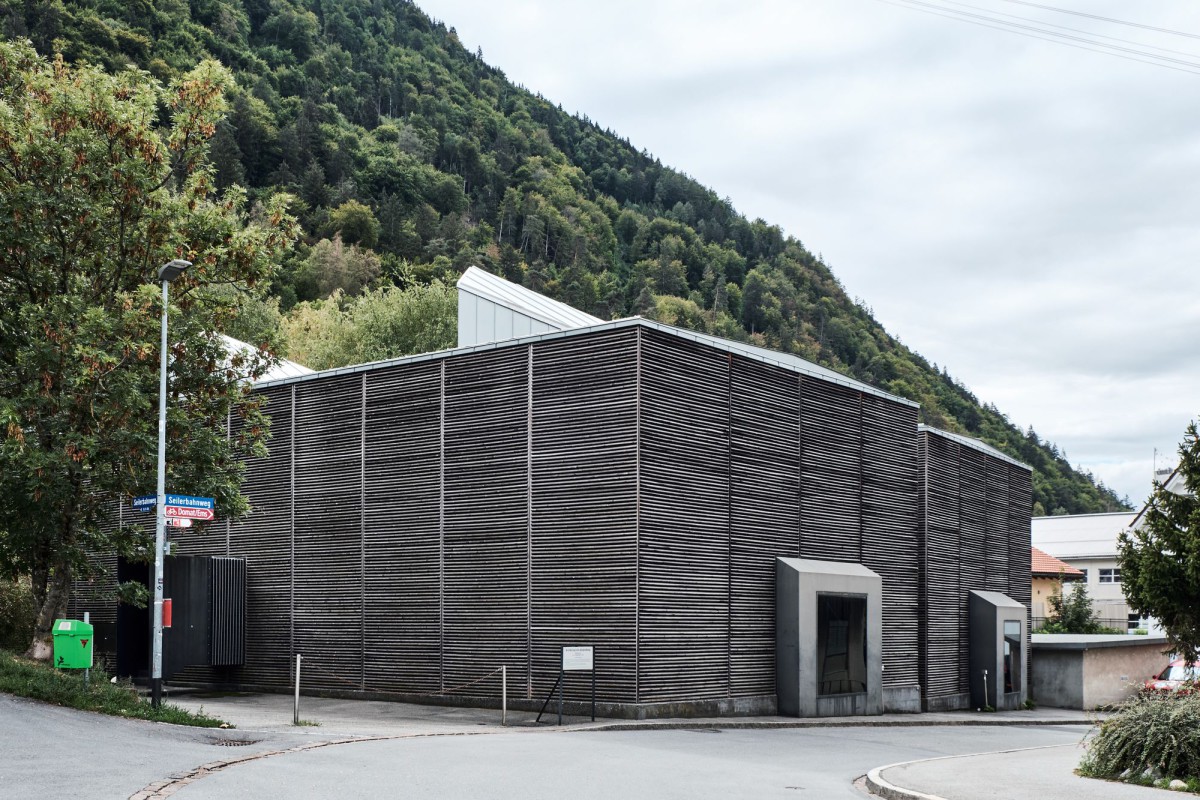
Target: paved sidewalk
[(267, 712), (1030, 774)]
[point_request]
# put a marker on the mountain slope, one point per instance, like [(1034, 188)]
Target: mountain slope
[(418, 159)]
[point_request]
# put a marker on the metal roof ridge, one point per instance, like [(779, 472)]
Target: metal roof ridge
[(368, 366), (783, 360), (1093, 514), (975, 444)]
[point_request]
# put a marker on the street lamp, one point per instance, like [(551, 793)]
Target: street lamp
[(167, 273)]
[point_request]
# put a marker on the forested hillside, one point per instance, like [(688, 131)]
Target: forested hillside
[(412, 159)]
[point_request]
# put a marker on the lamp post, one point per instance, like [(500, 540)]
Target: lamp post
[(166, 274)]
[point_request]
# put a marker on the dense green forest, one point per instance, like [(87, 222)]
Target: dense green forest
[(411, 159)]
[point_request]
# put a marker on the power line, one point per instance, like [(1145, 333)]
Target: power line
[(1051, 36), (1104, 19), (1074, 30), (967, 14)]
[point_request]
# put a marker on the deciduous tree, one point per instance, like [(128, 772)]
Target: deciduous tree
[(95, 194)]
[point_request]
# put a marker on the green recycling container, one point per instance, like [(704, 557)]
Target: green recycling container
[(72, 644)]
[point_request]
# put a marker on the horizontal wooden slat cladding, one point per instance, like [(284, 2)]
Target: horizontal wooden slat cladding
[(684, 569), (889, 528), (1020, 556), (943, 650), (831, 485), (996, 522), (584, 510), (764, 503), (973, 542), (975, 520), (328, 531), (264, 539), (486, 528), (403, 634)]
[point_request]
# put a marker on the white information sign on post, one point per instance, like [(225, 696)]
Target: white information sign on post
[(577, 659)]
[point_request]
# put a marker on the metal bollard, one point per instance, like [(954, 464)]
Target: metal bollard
[(296, 708)]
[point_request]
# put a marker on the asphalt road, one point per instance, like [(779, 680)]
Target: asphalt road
[(787, 763), (47, 751)]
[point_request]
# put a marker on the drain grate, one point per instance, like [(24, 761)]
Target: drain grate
[(234, 742)]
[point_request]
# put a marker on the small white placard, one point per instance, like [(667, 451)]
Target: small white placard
[(577, 659)]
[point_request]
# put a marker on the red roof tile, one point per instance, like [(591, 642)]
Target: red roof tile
[(1048, 566)]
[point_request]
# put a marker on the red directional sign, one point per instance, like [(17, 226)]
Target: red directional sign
[(185, 512)]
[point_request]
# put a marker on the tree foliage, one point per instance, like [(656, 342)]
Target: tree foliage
[(394, 134), (385, 323), (1160, 558), (1072, 613), (102, 179)]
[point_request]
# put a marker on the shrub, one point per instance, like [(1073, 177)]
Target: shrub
[(1159, 733), (1073, 613), (17, 614)]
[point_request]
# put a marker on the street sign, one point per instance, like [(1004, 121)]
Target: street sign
[(186, 501), (178, 522), (187, 512), (148, 501)]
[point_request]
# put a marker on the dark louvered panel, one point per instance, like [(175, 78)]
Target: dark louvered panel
[(584, 503), (403, 491), (683, 644), (831, 488), (328, 534), (228, 616), (889, 528), (486, 527), (264, 539), (764, 503), (997, 526), (942, 621)]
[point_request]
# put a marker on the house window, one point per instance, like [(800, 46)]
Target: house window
[(1110, 576), (1084, 571)]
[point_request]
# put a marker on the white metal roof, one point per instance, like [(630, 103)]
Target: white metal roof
[(1070, 536), (487, 286), (983, 447), (283, 370)]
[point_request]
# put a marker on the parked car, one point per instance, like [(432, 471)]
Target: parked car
[(1176, 674)]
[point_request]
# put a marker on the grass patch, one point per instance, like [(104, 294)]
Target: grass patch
[(308, 723), (37, 681)]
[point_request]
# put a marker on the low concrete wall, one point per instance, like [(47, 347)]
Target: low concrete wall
[(1088, 672)]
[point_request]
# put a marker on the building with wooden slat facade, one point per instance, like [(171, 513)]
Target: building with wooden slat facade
[(627, 485)]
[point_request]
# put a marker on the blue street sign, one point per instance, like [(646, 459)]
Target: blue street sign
[(185, 501), (148, 501)]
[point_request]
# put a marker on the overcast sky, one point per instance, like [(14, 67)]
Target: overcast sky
[(1025, 213)]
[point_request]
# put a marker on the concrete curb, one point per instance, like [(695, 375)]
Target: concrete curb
[(878, 785), (863, 722)]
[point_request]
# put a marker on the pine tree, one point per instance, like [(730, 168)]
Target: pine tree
[(1160, 559)]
